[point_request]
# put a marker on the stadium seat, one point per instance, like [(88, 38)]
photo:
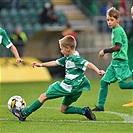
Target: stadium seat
[(6, 20), (61, 17), (23, 13), (29, 5), (4, 17), (33, 16), (16, 20), (13, 13), (28, 17), (32, 12), (37, 27), (39, 5), (47, 25), (4, 13), (9, 28), (28, 29), (24, 20)]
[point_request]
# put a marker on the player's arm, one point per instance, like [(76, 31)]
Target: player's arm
[(117, 47), (45, 64), (94, 68), (8, 44), (15, 53)]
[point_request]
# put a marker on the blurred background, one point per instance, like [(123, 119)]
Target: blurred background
[(36, 26)]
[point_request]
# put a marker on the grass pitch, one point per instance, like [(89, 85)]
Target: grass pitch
[(114, 119)]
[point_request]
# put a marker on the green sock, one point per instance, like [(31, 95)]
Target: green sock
[(74, 110), (33, 107), (102, 94)]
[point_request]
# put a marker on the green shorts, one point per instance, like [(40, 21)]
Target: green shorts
[(56, 90), (117, 70)]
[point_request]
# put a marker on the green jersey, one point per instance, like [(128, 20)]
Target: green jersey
[(119, 36), (4, 39), (74, 76)]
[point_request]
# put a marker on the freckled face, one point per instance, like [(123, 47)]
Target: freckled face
[(112, 22)]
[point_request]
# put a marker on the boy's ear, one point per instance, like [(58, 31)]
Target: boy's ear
[(68, 47), (118, 20)]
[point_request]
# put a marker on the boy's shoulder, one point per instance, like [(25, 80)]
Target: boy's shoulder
[(1, 30), (76, 55), (118, 30), (77, 58)]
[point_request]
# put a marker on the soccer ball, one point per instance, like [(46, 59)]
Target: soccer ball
[(16, 101)]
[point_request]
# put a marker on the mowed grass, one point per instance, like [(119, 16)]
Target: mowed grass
[(48, 118)]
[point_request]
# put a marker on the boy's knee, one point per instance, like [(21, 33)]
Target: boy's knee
[(42, 97), (62, 110), (103, 83)]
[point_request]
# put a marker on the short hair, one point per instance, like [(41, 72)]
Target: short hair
[(112, 12), (68, 40)]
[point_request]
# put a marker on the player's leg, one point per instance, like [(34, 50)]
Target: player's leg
[(22, 114), (72, 110), (131, 102), (123, 77), (86, 111), (66, 109), (103, 92), (68, 100), (126, 85), (102, 96), (35, 105)]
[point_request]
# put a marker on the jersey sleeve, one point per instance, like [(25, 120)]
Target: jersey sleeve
[(61, 61), (4, 40)]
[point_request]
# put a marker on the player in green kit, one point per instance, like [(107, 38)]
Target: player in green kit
[(71, 87), (119, 68), (131, 103), (132, 18), (5, 41)]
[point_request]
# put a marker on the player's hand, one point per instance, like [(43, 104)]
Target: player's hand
[(19, 60), (35, 64), (101, 53), (101, 72)]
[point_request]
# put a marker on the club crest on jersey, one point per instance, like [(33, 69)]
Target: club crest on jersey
[(70, 64)]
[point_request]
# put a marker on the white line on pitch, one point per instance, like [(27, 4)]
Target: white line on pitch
[(127, 118), (72, 121)]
